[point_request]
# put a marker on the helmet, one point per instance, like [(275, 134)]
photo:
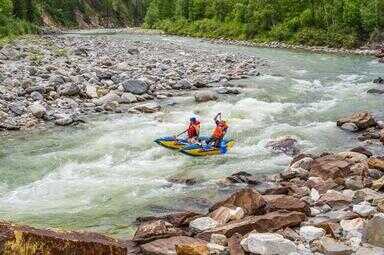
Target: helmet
[(193, 119)]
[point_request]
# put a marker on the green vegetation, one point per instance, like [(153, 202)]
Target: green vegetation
[(335, 23)]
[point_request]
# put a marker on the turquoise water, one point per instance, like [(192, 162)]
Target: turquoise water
[(104, 174)]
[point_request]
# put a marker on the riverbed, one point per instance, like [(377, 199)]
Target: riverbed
[(101, 175)]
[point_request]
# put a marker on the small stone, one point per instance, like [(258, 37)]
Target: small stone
[(310, 233), (350, 127), (364, 209), (38, 110), (219, 239), (268, 244), (314, 195), (202, 224), (37, 96), (216, 249)]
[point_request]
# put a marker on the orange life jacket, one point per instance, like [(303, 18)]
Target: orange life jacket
[(193, 129), (219, 130)]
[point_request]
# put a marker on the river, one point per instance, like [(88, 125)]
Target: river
[(102, 175)]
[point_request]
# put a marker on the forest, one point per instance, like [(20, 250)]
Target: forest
[(334, 23)]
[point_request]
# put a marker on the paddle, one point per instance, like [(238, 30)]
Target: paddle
[(181, 134)]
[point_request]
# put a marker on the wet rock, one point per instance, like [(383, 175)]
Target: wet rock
[(205, 96), (27, 240), (179, 219), (243, 177), (251, 202), (362, 120), (330, 246), (149, 231), (167, 246), (268, 244), (192, 249), (228, 91), (219, 239), (182, 180), (284, 202), (351, 127), (263, 223), (65, 120), (234, 245), (378, 80), (310, 233), (203, 223), (375, 230), (147, 108), (351, 157), (375, 91), (38, 110), (136, 87), (286, 145), (334, 198), (364, 209), (376, 163), (362, 150), (329, 167)]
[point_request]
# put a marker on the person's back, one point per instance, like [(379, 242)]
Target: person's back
[(193, 130)]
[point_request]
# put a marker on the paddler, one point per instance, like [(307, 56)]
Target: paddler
[(219, 132), (192, 131)]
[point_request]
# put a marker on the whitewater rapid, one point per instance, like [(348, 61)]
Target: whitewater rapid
[(103, 175)]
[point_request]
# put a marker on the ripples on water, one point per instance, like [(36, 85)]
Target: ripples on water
[(103, 176)]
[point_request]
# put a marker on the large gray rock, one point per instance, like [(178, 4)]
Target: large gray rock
[(38, 110), (18, 108), (330, 246), (136, 87), (268, 244), (310, 233), (202, 224), (375, 230), (364, 209)]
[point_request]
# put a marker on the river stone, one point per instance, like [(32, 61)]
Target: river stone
[(330, 246), (137, 87), (286, 145), (310, 233), (90, 91), (147, 108), (353, 226), (370, 250), (192, 249), (18, 108), (205, 96), (285, 202), (367, 194), (378, 185), (167, 246), (376, 163), (152, 230), (362, 150), (127, 98), (203, 223), (375, 230), (352, 127), (268, 244), (68, 89), (362, 120), (38, 110), (182, 84), (249, 200), (221, 215), (216, 249), (64, 120), (364, 209), (375, 91), (219, 239)]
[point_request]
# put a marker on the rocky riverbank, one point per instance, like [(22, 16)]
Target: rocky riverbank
[(62, 79), (331, 203)]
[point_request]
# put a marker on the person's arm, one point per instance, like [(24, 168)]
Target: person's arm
[(216, 119)]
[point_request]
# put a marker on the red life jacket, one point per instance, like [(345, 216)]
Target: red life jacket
[(219, 130), (193, 129)]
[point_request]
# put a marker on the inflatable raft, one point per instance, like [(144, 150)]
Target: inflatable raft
[(199, 149)]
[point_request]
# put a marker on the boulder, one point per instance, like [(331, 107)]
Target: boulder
[(362, 120), (107, 98), (351, 157), (268, 244), (364, 209), (310, 233), (167, 246), (329, 167), (137, 87), (90, 91), (286, 145), (234, 245), (376, 163), (64, 120), (285, 202), (152, 230), (38, 110), (362, 150), (375, 230), (68, 89), (334, 198), (202, 224), (182, 84), (330, 246), (378, 80), (221, 215), (179, 219), (378, 185), (219, 239), (375, 91), (367, 194), (18, 108), (243, 177), (192, 249), (251, 201), (128, 98), (263, 223), (17, 239), (147, 108), (205, 96), (351, 127)]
